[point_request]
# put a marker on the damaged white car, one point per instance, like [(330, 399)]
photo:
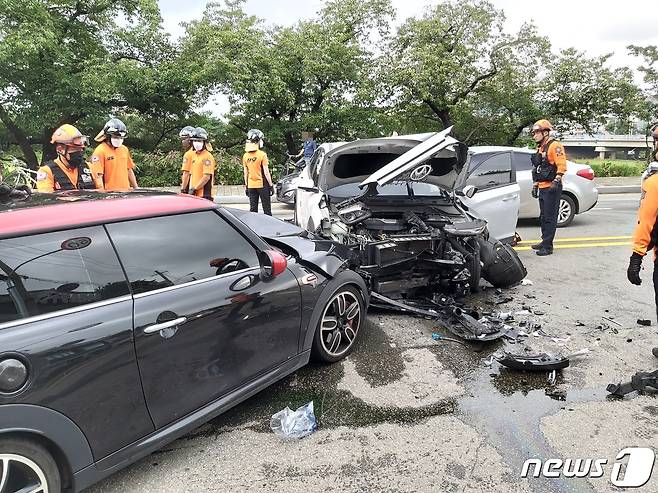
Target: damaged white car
[(414, 231)]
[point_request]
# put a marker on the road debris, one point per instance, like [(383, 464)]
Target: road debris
[(526, 282), (537, 362), (294, 424), (644, 322), (611, 320), (639, 382)]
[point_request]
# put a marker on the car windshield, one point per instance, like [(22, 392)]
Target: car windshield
[(425, 189)]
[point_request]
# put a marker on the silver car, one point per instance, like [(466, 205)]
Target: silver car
[(579, 193)]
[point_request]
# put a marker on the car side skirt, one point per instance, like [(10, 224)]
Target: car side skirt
[(145, 446)]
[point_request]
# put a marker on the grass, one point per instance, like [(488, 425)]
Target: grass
[(615, 167)]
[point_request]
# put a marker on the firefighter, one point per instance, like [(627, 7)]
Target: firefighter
[(111, 161), (257, 178), (549, 165), (185, 134), (645, 237), (198, 167), (68, 171)]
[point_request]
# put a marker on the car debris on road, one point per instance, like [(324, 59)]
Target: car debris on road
[(639, 382)]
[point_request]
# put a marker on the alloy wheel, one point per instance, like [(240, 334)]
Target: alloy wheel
[(564, 212), (340, 323), (18, 473)]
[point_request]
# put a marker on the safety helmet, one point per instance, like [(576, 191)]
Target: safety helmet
[(113, 126), (69, 135), (186, 132), (541, 125), (199, 133), (254, 135)]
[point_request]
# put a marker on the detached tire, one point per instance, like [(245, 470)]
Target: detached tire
[(566, 211), (502, 267), (338, 328), (28, 466)]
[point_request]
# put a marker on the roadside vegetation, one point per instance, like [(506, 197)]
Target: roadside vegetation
[(350, 71), (614, 167)]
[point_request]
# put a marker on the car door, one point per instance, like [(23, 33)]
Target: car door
[(308, 213), (205, 323), (66, 310), (497, 199), (523, 169)]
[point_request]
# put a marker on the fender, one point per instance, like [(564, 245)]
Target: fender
[(56, 427), (341, 278)]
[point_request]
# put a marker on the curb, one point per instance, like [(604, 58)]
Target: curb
[(619, 189)]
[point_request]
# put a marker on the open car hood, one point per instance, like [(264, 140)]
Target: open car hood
[(412, 165), (433, 158)]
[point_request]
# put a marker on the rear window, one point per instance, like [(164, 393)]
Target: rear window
[(49, 272)]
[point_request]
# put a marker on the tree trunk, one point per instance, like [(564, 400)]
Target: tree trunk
[(21, 139), (48, 150), (442, 113), (290, 143)]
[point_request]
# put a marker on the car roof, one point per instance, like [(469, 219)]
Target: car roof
[(43, 212)]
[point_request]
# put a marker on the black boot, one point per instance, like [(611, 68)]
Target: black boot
[(542, 252), (537, 246)]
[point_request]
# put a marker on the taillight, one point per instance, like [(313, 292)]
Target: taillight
[(587, 173)]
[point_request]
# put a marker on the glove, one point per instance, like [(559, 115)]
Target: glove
[(184, 190), (555, 184), (535, 191), (634, 267), (192, 191), (246, 191), (271, 191)]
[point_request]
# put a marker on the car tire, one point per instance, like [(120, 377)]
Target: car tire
[(566, 211), (346, 309), (27, 465)]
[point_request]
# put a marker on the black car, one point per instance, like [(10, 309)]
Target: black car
[(127, 320)]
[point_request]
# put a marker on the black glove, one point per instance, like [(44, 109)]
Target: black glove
[(271, 190), (634, 267), (184, 190), (535, 191), (555, 184), (192, 191), (246, 191)]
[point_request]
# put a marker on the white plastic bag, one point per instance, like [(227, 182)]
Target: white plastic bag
[(294, 424)]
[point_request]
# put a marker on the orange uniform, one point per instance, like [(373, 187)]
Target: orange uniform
[(646, 229), (198, 164), (254, 161), (556, 156), (113, 164), (46, 181)]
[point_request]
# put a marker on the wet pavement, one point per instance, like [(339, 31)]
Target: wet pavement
[(406, 413)]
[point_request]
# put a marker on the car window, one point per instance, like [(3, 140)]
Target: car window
[(494, 172), (522, 161), (55, 271), (166, 251)]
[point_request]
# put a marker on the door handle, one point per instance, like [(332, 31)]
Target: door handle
[(152, 329), (508, 198)]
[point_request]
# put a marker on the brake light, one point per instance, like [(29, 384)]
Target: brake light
[(587, 173)]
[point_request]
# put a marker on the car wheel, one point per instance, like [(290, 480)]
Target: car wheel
[(566, 212), (27, 466), (339, 325)]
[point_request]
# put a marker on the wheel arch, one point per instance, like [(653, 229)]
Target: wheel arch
[(343, 278), (573, 197), (52, 429)]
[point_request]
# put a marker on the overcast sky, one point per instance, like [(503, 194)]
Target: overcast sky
[(593, 26)]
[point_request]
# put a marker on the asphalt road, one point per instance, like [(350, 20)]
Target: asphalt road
[(406, 413)]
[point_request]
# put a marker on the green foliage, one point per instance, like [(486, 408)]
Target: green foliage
[(614, 167)]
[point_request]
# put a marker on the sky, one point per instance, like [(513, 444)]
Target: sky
[(596, 27)]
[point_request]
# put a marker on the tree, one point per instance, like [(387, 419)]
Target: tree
[(649, 69), (70, 62), (284, 80)]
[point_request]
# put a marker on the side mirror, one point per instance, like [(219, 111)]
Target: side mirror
[(467, 191), (272, 263)]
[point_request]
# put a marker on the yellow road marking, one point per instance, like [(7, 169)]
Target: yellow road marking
[(591, 238), (579, 245)]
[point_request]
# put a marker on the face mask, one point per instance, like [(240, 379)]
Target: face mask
[(76, 159), (116, 141), (197, 145), (260, 144)]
